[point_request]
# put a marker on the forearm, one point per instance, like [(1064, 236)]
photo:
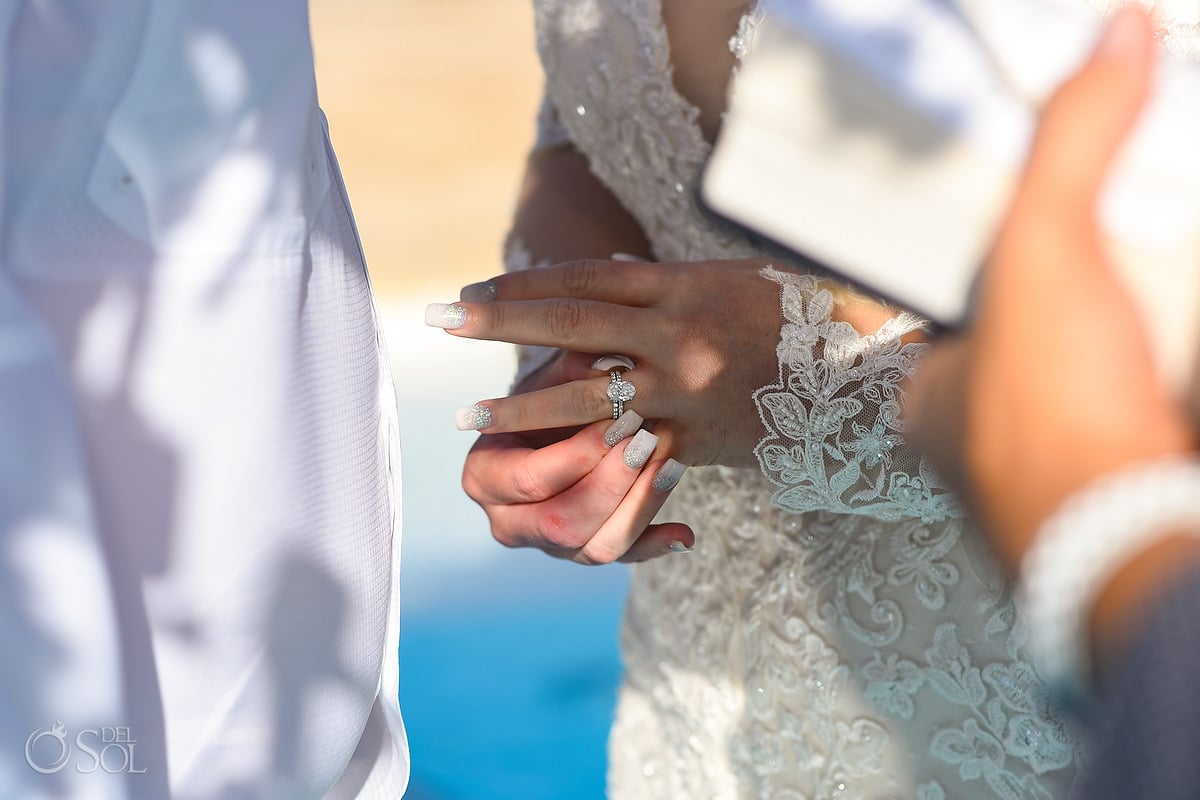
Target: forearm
[(565, 213)]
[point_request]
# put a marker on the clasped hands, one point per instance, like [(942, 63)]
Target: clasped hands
[(702, 337)]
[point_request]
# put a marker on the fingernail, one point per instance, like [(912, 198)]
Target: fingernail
[(473, 418), (483, 292), (605, 363), (445, 315), (626, 257), (639, 449), (623, 427), (668, 476), (679, 547), (1125, 36)]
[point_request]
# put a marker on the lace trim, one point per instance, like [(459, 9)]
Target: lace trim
[(742, 43), (834, 437)]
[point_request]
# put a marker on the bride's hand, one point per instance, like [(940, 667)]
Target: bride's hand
[(702, 336)]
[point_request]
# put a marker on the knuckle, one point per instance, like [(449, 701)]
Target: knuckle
[(609, 495), (595, 555), (556, 531), (527, 486), (491, 316), (507, 538), (580, 278), (472, 485), (590, 401), (566, 317)]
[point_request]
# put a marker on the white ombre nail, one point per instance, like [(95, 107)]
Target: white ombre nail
[(622, 428), (679, 547), (473, 418), (639, 449), (605, 363), (447, 316), (627, 257), (668, 476)]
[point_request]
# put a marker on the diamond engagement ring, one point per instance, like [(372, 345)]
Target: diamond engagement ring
[(619, 390)]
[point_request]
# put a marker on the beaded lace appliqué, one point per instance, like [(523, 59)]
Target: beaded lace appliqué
[(833, 416)]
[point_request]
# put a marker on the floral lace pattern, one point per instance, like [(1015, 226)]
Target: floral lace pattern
[(833, 417), (838, 631)]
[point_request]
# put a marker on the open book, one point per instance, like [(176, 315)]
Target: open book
[(882, 139)]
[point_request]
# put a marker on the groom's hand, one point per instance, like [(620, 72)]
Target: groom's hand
[(572, 494), (577, 498)]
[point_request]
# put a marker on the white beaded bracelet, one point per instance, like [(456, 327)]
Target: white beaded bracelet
[(1082, 546)]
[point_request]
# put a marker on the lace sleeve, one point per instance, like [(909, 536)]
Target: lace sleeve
[(834, 437)]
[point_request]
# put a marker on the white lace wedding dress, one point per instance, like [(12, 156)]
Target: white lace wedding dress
[(839, 631)]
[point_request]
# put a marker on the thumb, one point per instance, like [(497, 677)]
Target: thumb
[(1088, 119)]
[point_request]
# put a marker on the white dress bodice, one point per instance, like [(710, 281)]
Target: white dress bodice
[(840, 630)]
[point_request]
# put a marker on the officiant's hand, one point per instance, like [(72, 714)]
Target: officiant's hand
[(1055, 384), (701, 337), (581, 495)]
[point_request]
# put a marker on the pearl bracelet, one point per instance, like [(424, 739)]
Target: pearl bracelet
[(1083, 544)]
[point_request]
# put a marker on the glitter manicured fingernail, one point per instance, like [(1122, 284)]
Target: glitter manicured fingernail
[(622, 428), (473, 418), (679, 547), (445, 315), (668, 476), (483, 292), (639, 449)]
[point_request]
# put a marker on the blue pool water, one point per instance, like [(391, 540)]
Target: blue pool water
[(513, 698)]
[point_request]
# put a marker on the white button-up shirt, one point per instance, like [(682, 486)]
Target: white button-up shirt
[(199, 466)]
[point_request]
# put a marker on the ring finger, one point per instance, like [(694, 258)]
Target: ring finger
[(566, 405)]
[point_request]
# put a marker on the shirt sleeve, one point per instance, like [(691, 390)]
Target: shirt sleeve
[(1147, 716)]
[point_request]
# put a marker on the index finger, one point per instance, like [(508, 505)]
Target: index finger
[(506, 468), (587, 326), (628, 283)]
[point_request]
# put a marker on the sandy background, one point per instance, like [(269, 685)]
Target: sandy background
[(431, 106)]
